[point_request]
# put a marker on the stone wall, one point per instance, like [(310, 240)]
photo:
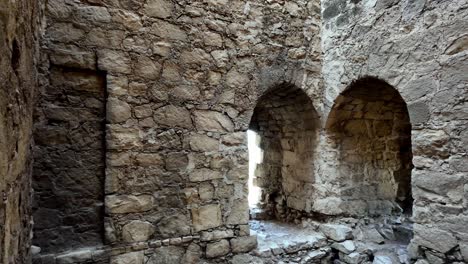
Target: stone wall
[(182, 81), (18, 50), (69, 162), (418, 47)]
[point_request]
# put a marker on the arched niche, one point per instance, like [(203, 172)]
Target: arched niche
[(370, 129), (285, 125)]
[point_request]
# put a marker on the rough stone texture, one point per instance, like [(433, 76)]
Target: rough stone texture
[(19, 26), (184, 80), (417, 47), (69, 155), (337, 232)]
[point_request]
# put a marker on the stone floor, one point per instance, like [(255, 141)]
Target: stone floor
[(376, 242)]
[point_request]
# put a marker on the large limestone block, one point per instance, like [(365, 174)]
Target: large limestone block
[(430, 185), (122, 204), (204, 174), (336, 232), (137, 230), (206, 217), (217, 249), (213, 121), (128, 258), (238, 213), (243, 244), (434, 238)]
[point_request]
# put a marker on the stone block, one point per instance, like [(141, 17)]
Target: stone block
[(206, 217), (337, 232), (159, 8), (114, 61), (213, 121), (217, 249), (173, 116), (200, 142), (243, 244), (238, 213), (345, 247), (117, 110), (204, 174), (434, 238), (137, 231), (122, 204), (128, 258)]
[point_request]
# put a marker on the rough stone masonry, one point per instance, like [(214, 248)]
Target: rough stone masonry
[(141, 109)]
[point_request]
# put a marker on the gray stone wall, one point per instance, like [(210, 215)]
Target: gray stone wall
[(18, 53), (182, 81), (69, 153), (418, 47)]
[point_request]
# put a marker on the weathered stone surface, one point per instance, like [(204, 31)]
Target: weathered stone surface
[(171, 115), (206, 217), (117, 110), (159, 8), (173, 226), (167, 255), (217, 249), (113, 61), (434, 238), (137, 231), (205, 175), (337, 232), (213, 121), (122, 204), (200, 142), (128, 258), (345, 247), (243, 244), (238, 213)]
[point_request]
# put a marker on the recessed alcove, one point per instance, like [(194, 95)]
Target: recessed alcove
[(370, 129), (282, 140)]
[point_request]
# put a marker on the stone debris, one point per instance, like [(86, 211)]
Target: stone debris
[(338, 233)]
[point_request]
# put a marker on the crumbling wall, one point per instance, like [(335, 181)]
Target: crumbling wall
[(182, 81), (18, 47), (287, 125), (418, 47)]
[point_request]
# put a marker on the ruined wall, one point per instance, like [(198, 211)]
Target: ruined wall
[(287, 124), (418, 47), (18, 47), (182, 80)]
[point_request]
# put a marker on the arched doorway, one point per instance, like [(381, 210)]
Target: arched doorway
[(282, 140), (370, 129)]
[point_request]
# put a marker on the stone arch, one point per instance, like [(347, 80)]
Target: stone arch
[(286, 124), (370, 130)]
